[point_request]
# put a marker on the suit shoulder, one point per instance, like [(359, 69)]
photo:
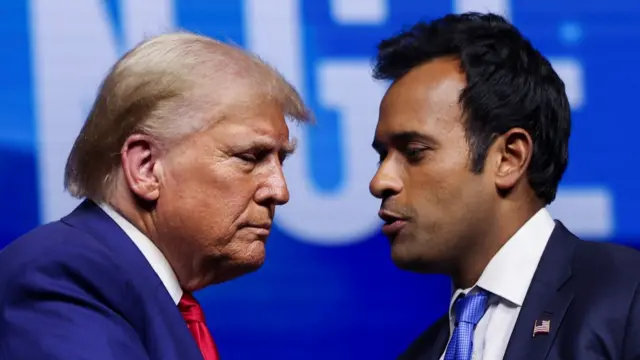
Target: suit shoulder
[(427, 340), (608, 261), (609, 254), (69, 287), (58, 250)]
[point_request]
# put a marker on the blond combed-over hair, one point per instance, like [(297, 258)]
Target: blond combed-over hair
[(155, 89)]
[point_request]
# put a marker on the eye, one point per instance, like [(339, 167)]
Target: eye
[(254, 156), (414, 153), (248, 157)]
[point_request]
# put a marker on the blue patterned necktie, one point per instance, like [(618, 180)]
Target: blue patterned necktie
[(469, 310)]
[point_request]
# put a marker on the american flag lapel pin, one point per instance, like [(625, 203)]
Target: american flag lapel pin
[(541, 327)]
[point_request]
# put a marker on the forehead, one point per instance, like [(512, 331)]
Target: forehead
[(425, 100), (259, 124)]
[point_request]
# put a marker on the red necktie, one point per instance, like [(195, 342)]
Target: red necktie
[(193, 315)]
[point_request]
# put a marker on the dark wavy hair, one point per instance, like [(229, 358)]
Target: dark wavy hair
[(509, 84)]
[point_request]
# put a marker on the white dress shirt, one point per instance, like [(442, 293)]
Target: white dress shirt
[(507, 278), (150, 251)]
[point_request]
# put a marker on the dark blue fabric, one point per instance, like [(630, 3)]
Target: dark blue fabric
[(79, 289), (590, 293)]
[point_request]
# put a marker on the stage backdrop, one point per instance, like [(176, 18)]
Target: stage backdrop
[(328, 289)]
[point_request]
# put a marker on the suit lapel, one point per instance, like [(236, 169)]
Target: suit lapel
[(439, 344), (548, 298), (89, 218)]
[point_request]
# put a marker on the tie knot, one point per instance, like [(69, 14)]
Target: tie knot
[(190, 308), (471, 308)]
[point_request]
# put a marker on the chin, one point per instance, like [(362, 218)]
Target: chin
[(248, 263), (256, 254), (252, 263), (408, 264), (237, 270), (411, 260)]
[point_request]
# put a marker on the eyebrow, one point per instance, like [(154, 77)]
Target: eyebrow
[(287, 148), (290, 146), (405, 137)]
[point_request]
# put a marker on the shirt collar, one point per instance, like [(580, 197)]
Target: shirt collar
[(150, 251), (510, 271)]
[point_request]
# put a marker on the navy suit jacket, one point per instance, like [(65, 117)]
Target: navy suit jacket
[(79, 289), (590, 293)]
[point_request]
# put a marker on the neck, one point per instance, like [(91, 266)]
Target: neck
[(188, 268), (138, 217), (473, 261)]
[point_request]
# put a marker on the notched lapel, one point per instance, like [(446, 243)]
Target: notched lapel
[(431, 344), (524, 343), (439, 345), (548, 298), (555, 311)]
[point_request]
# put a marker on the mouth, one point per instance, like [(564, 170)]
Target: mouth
[(393, 223), (262, 229)]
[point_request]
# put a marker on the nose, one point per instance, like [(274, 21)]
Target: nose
[(273, 190), (385, 182)]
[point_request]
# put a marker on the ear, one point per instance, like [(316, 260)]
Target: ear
[(513, 149), (141, 168)]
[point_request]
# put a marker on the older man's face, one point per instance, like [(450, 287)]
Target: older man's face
[(220, 191)]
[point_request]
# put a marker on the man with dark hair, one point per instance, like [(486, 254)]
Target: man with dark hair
[(473, 140)]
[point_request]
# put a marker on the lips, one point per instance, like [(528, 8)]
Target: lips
[(266, 226), (261, 229), (393, 223)]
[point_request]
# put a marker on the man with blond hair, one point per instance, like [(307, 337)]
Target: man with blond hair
[(180, 167)]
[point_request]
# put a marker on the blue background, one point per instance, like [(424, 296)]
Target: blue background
[(350, 302)]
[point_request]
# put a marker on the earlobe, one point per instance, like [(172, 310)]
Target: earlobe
[(515, 149), (140, 165)]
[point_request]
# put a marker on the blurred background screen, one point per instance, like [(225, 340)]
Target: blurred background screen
[(328, 289)]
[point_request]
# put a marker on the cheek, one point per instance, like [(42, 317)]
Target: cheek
[(442, 189), (463, 199), (210, 198)]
